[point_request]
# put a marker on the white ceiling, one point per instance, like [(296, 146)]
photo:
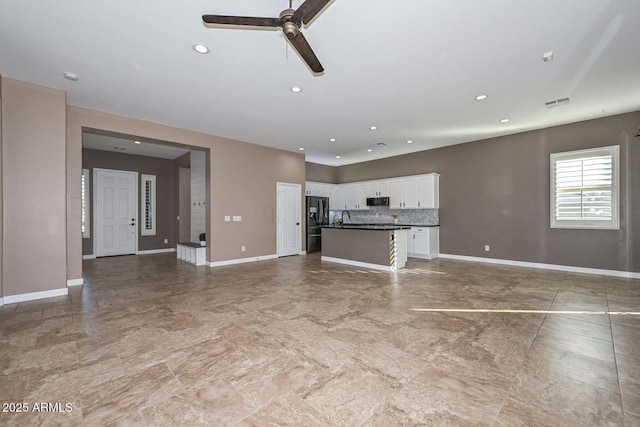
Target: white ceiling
[(128, 146), (412, 68)]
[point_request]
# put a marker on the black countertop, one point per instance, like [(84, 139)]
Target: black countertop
[(380, 227)]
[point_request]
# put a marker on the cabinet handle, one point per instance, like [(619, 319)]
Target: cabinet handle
[(418, 204)]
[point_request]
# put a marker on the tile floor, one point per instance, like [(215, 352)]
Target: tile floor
[(150, 341)]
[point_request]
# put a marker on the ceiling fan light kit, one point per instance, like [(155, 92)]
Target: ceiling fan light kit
[(289, 21)]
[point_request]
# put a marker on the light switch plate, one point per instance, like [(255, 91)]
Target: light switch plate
[(227, 218), (237, 218)]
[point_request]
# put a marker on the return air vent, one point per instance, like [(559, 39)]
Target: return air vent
[(381, 144), (638, 133), (557, 102)]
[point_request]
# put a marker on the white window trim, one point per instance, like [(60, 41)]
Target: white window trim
[(143, 230), (86, 234), (614, 224)]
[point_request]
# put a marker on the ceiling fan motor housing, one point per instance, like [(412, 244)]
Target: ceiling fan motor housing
[(291, 25)]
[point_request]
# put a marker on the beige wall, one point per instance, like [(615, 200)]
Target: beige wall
[(496, 192), (34, 214), (321, 173), (241, 181), (1, 198)]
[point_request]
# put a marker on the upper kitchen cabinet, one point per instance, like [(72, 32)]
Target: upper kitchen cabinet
[(339, 199), (415, 192), (379, 189), (318, 189), (428, 191), (356, 195)]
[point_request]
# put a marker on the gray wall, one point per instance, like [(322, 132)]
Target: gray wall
[(163, 169), (496, 192), (34, 181), (321, 173)]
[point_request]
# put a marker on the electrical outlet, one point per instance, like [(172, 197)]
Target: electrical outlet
[(166, 241), (242, 248), (487, 248)]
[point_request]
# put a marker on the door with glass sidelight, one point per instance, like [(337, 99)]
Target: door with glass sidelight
[(115, 213)]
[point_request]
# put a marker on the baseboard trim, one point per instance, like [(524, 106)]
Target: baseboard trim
[(357, 263), (91, 256), (75, 282), (1, 302), (241, 260), (12, 299), (156, 251), (557, 267), (302, 253)]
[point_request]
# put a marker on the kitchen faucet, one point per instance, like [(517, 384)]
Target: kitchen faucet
[(348, 215)]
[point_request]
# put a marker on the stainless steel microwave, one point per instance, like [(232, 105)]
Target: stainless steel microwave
[(377, 201)]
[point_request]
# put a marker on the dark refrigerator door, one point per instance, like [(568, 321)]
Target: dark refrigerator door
[(314, 239), (317, 210)]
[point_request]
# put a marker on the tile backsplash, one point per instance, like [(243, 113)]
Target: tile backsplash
[(384, 215)]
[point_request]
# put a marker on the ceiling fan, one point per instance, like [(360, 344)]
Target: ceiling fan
[(289, 21)]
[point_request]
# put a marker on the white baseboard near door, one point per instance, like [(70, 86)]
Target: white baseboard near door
[(357, 263), (12, 299), (90, 256), (156, 251), (75, 282), (1, 302), (241, 260), (557, 267)]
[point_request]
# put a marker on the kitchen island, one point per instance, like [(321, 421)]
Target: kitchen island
[(380, 247)]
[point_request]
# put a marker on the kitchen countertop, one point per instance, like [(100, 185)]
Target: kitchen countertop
[(378, 226), (382, 227)]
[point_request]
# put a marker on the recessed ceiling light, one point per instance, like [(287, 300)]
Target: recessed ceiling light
[(301, 149), (137, 142), (71, 76), (547, 56), (296, 89), (337, 157), (373, 128), (481, 97), (505, 121), (409, 142), (332, 140), (369, 150), (200, 48)]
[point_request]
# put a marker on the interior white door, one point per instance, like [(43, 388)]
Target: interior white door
[(289, 219), (115, 213)]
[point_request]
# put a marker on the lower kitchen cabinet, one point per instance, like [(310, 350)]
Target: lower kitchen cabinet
[(423, 242)]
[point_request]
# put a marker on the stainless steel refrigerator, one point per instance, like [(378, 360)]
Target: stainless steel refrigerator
[(317, 215)]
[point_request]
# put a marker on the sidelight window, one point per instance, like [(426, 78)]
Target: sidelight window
[(148, 207)]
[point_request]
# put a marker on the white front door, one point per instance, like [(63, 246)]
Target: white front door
[(115, 213), (289, 217)]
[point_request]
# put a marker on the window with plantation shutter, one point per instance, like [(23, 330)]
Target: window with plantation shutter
[(85, 204), (148, 205), (584, 188)]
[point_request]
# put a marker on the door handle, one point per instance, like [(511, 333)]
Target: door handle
[(297, 223)]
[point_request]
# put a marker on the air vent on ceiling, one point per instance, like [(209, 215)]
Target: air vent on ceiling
[(380, 144), (557, 102), (638, 133), (119, 148)]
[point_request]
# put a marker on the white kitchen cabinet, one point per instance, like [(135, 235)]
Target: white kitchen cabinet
[(363, 193), (319, 189), (395, 193), (410, 193), (428, 191), (356, 196), (423, 242), (339, 201), (378, 189)]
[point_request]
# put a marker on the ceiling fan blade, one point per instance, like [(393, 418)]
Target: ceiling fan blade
[(301, 45), (309, 9), (240, 20)]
